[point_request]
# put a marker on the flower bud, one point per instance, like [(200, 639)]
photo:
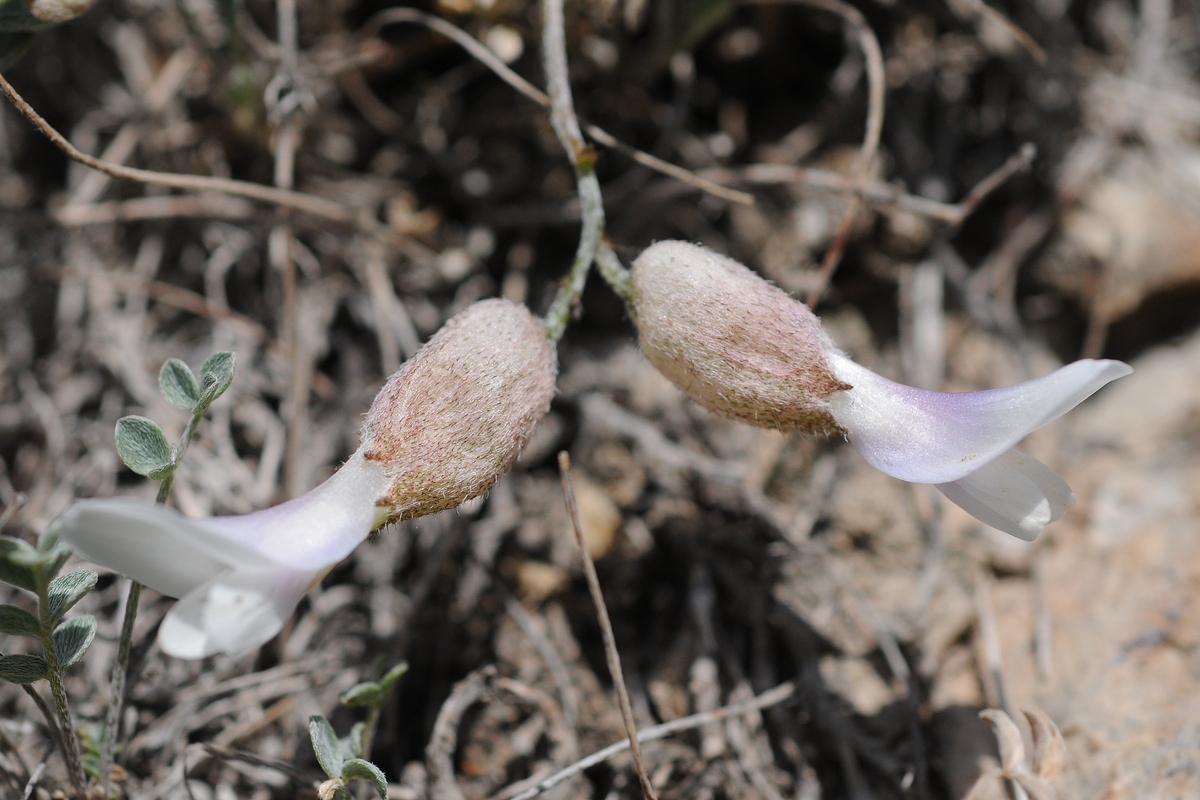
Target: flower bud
[(454, 418), (731, 341)]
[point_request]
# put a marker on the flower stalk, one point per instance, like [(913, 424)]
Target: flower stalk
[(54, 675), (583, 160), (216, 373)]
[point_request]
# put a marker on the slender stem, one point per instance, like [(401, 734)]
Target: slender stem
[(583, 157), (779, 694), (606, 630), (372, 722), (116, 703), (310, 204), (613, 271), (120, 670), (51, 722), (66, 727), (391, 16)]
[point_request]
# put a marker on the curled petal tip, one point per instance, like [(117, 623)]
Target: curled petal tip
[(233, 613), (1014, 493)]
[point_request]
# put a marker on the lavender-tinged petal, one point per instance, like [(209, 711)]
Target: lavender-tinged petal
[(938, 437), (152, 544), (318, 528), (233, 613), (1014, 493), (174, 555)]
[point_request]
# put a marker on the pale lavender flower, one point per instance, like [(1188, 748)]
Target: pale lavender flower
[(441, 431), (745, 349), (963, 442), (239, 577)]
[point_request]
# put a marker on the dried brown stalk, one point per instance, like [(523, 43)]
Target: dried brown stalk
[(610, 641), (485, 56), (285, 198)]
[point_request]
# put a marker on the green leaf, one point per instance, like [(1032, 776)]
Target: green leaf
[(54, 560), (18, 622), (67, 590), (352, 742), (367, 693), (326, 745), (144, 448), (388, 681), (178, 384), (49, 538), (22, 668), (216, 373), (15, 568), (365, 770), (72, 639)]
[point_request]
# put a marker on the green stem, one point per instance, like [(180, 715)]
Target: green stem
[(66, 726), (116, 703), (583, 158), (120, 671), (592, 208), (372, 722), (614, 272)]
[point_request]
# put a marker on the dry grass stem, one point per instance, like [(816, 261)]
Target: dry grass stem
[(485, 56), (307, 203), (769, 698), (610, 642)]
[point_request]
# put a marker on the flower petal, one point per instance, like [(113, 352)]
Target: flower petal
[(152, 544), (318, 528), (1014, 493), (938, 437), (234, 612)]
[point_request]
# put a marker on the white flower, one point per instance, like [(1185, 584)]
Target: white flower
[(440, 432), (238, 578), (962, 442), (745, 349)]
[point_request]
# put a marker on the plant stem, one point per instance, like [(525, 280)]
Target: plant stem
[(613, 271), (583, 158), (120, 670), (116, 703), (66, 727)]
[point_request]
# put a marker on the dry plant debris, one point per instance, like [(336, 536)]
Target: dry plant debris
[(367, 179)]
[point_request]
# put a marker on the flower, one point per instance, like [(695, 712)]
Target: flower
[(745, 349), (441, 431)]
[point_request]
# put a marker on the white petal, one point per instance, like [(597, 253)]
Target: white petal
[(319, 528), (1014, 493), (234, 612), (938, 437), (151, 544)]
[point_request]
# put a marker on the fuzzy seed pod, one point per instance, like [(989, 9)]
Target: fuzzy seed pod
[(731, 341), (454, 418)]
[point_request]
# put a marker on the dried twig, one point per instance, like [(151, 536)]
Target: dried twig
[(610, 641), (299, 201), (554, 660), (442, 742), (460, 37), (36, 775), (876, 85), (765, 700), (139, 209)]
